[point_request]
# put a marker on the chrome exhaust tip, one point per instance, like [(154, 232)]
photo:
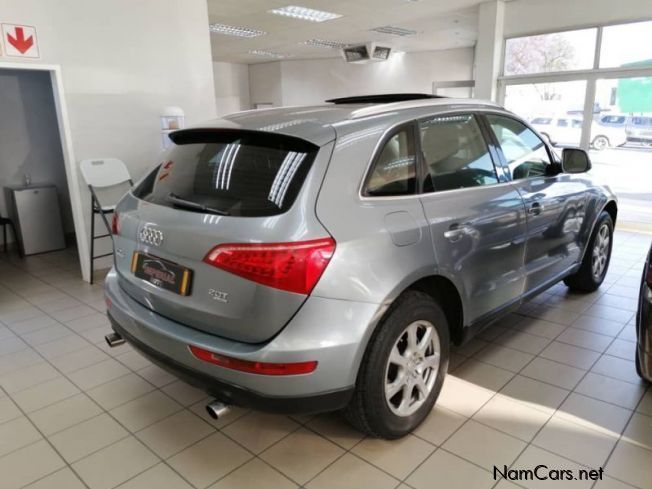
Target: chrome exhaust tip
[(217, 409), (114, 339)]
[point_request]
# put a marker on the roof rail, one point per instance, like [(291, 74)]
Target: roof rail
[(385, 98)]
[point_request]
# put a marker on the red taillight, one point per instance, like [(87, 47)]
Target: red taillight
[(262, 368), (295, 267), (115, 223)]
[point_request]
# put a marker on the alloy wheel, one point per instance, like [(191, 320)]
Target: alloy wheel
[(601, 252), (412, 368)]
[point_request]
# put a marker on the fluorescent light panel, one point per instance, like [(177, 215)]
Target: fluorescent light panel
[(268, 54), (304, 13), (323, 43), (230, 30), (394, 31)]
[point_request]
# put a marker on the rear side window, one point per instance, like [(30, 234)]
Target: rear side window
[(642, 121), (229, 172), (394, 170), (455, 153), (541, 120)]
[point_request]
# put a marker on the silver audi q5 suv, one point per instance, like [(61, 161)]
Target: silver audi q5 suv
[(307, 259)]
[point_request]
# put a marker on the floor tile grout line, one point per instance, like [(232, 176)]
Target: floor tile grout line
[(530, 443), (464, 423), (47, 440), (548, 421), (620, 438), (109, 414), (555, 361)]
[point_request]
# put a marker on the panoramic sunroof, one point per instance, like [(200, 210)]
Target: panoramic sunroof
[(384, 98)]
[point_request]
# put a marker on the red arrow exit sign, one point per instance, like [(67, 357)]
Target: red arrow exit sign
[(20, 40)]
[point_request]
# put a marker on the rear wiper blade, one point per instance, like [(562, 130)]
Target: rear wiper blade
[(195, 206)]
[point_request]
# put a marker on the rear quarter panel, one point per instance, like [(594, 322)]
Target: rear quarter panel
[(383, 244)]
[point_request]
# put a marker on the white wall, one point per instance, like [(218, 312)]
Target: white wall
[(29, 137), (122, 61), (313, 81), (535, 16), (231, 87)]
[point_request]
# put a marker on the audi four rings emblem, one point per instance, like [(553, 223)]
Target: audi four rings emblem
[(150, 235)]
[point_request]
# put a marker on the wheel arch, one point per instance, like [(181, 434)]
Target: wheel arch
[(612, 209), (444, 291)]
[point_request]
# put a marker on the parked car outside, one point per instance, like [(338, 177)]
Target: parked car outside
[(309, 259), (640, 130), (566, 131), (644, 323), (637, 128)]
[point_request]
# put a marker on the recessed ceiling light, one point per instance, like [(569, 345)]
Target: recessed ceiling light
[(230, 30), (323, 43), (304, 13), (268, 54), (394, 31)]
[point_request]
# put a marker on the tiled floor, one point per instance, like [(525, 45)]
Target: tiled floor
[(554, 384)]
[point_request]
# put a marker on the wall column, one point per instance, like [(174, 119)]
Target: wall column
[(489, 48)]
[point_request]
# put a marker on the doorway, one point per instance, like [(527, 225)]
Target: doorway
[(36, 158)]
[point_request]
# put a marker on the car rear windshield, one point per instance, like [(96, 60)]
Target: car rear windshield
[(230, 172)]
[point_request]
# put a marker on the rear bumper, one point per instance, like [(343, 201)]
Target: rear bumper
[(233, 394), (332, 332)]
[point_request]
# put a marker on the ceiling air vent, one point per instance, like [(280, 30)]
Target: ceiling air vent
[(395, 31)]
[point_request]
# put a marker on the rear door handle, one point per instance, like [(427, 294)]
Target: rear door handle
[(535, 209)]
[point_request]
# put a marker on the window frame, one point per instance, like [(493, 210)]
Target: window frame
[(590, 76), (555, 163), (380, 146)]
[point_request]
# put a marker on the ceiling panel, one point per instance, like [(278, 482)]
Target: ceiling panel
[(439, 25)]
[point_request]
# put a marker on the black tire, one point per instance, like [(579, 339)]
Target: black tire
[(368, 410), (584, 280), (637, 362), (600, 143)]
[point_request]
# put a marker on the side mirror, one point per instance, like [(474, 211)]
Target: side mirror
[(575, 160)]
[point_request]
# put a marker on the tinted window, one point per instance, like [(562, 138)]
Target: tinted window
[(455, 154), (524, 151), (642, 121), (394, 171), (542, 120), (613, 119), (562, 122), (238, 173)]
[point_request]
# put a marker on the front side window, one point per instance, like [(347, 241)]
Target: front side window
[(455, 154), (394, 171), (524, 151)]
